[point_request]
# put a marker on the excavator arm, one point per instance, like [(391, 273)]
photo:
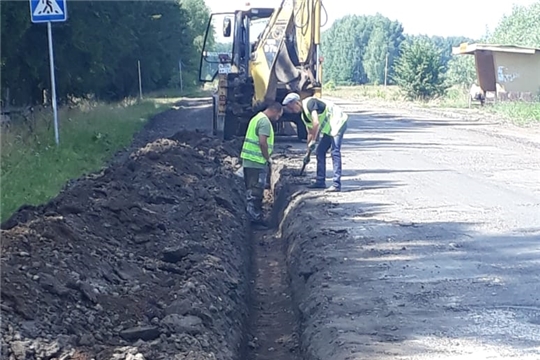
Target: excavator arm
[(287, 55)]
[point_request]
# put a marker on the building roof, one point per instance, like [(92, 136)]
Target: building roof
[(469, 49)]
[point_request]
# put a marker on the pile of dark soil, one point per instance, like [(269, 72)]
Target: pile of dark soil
[(146, 260)]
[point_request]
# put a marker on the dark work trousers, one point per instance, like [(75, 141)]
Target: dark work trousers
[(254, 180), (332, 143)]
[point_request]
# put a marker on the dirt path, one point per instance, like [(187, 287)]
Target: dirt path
[(430, 252), (189, 114)]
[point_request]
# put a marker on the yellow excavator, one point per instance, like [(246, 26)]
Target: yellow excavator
[(258, 55)]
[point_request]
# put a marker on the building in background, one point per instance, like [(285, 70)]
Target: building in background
[(505, 72)]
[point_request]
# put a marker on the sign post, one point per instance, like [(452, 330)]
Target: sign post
[(140, 80), (49, 11), (181, 79), (386, 71)]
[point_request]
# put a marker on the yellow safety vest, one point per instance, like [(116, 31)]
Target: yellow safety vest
[(331, 121), (324, 124), (251, 150)]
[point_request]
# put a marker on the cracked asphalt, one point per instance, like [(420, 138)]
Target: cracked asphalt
[(432, 249)]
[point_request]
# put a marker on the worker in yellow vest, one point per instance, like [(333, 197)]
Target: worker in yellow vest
[(256, 151), (326, 119)]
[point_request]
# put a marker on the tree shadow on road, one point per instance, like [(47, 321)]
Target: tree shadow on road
[(368, 284), (386, 123)]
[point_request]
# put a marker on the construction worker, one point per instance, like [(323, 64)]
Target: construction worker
[(256, 151), (321, 117)]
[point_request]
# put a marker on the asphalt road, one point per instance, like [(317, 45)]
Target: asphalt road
[(432, 250)]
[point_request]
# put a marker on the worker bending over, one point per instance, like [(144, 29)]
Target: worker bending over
[(326, 118), (256, 151)]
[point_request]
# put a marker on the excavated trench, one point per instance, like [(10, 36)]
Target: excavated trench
[(273, 328), (153, 258)]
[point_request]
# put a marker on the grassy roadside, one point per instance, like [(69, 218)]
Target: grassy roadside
[(33, 169), (519, 113)]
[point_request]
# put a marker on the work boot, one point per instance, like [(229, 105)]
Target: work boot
[(317, 185), (257, 221), (253, 212), (259, 224)]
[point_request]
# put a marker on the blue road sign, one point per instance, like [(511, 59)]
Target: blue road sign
[(42, 11)]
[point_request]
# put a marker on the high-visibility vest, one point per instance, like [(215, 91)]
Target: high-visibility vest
[(331, 121), (251, 150)]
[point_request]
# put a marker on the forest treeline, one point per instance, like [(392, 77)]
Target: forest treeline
[(356, 47), (97, 50)]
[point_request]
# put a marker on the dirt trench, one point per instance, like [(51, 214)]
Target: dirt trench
[(273, 328), (152, 258)]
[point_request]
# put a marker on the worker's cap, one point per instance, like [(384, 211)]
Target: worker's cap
[(290, 98)]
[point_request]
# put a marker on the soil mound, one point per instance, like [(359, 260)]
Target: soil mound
[(146, 260)]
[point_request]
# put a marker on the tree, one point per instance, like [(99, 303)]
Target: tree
[(343, 50), (442, 43), (521, 27), (355, 48), (198, 14), (97, 50), (445, 45), (461, 71), (419, 71), (375, 56)]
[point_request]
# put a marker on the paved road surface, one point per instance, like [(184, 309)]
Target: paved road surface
[(432, 251)]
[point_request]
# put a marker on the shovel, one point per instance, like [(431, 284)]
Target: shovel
[(304, 163), (308, 155)]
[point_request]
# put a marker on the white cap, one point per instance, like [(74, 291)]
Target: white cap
[(291, 97)]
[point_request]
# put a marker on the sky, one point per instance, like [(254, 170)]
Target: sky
[(468, 18)]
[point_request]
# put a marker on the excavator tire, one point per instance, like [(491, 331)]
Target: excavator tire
[(214, 116), (230, 128)]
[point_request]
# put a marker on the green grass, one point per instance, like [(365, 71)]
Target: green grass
[(358, 92), (519, 113), (34, 169)]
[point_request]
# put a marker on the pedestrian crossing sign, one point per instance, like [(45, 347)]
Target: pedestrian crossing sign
[(42, 11)]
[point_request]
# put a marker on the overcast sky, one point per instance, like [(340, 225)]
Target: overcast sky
[(450, 18)]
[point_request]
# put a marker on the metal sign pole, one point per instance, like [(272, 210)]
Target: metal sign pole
[(50, 11), (181, 80), (140, 80), (386, 71), (53, 84)]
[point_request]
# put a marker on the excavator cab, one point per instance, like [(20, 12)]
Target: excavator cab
[(230, 39)]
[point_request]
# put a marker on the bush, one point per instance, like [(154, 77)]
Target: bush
[(330, 85), (419, 71)]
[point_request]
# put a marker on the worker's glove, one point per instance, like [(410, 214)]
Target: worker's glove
[(270, 162), (306, 159), (312, 146)]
